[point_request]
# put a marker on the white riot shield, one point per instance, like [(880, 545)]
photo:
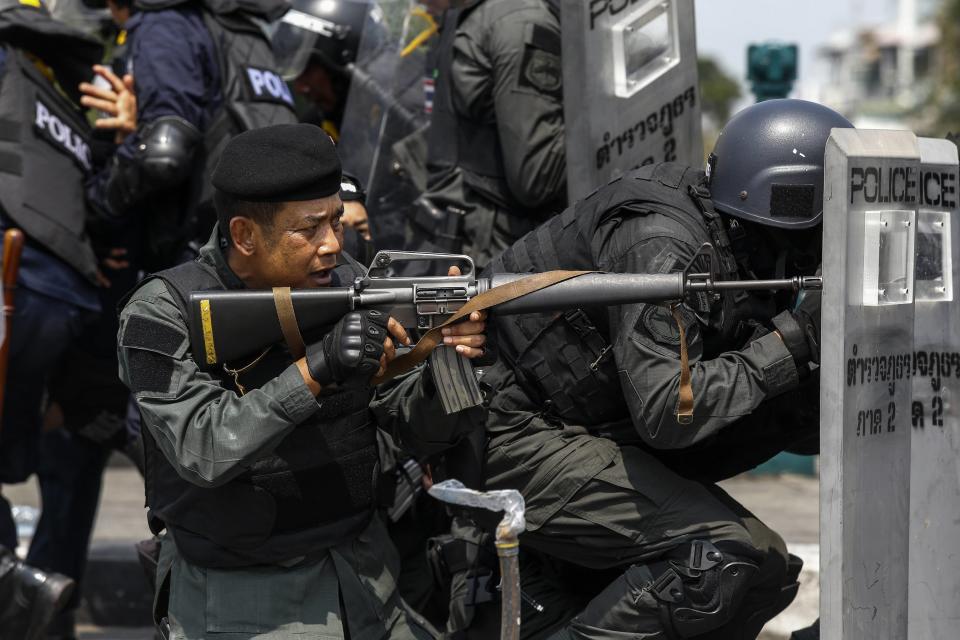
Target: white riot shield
[(630, 88), (934, 600), (871, 189)]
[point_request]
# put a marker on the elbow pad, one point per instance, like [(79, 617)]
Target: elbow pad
[(163, 160)]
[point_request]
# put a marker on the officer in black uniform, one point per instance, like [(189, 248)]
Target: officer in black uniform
[(586, 404), (263, 472), (44, 158), (338, 53), (496, 160)]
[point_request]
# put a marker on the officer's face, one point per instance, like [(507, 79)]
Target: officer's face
[(316, 85), (299, 249)]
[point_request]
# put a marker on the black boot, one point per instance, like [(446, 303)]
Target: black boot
[(810, 633), (29, 598)]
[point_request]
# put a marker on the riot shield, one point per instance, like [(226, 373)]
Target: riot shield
[(630, 88), (384, 109), (872, 184), (934, 575)]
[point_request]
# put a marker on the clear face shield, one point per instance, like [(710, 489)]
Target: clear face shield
[(294, 38), (330, 29)]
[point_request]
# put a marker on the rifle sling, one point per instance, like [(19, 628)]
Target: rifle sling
[(487, 299), (685, 401), (516, 289), (288, 322)]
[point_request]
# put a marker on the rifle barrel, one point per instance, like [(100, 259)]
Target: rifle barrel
[(591, 290), (798, 283)]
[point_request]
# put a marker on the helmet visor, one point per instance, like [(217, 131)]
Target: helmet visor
[(294, 38)]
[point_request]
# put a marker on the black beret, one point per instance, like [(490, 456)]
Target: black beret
[(281, 163)]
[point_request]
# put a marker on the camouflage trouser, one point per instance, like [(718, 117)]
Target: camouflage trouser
[(304, 602), (602, 506)]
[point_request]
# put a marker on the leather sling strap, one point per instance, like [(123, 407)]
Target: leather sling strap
[(685, 401), (288, 322), (487, 299)]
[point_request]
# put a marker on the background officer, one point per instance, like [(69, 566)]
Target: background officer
[(584, 402), (316, 44), (495, 159), (201, 73), (263, 473), (44, 157)]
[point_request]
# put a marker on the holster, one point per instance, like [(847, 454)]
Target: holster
[(464, 563)]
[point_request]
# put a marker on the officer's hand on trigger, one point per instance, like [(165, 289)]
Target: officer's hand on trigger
[(358, 347), (467, 336)]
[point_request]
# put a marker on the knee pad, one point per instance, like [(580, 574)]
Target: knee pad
[(702, 592), (698, 589)]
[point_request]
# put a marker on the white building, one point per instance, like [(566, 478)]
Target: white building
[(880, 75)]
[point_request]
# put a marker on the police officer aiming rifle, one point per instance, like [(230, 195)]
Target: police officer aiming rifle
[(263, 471)]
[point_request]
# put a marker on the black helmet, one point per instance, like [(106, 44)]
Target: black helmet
[(767, 165), (324, 30)]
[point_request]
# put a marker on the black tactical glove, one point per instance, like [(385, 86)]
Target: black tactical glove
[(800, 329), (350, 353)]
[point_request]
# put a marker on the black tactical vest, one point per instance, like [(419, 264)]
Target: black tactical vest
[(563, 360), (254, 94), (314, 490), (44, 158)]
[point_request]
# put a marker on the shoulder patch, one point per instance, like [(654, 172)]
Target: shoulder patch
[(152, 348), (540, 68), (658, 322), (141, 332)]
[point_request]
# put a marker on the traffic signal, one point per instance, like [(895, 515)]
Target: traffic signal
[(772, 69)]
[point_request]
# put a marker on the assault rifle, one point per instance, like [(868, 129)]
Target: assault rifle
[(236, 326)]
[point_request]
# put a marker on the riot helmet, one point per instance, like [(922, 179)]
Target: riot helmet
[(66, 50), (767, 165), (320, 31)]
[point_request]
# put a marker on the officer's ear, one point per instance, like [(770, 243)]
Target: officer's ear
[(243, 233)]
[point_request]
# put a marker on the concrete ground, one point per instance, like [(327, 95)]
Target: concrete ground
[(788, 504)]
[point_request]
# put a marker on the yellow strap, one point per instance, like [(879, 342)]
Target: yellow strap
[(288, 322), (424, 35), (685, 403), (487, 299)]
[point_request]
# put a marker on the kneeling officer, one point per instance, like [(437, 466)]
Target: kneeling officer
[(263, 473)]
